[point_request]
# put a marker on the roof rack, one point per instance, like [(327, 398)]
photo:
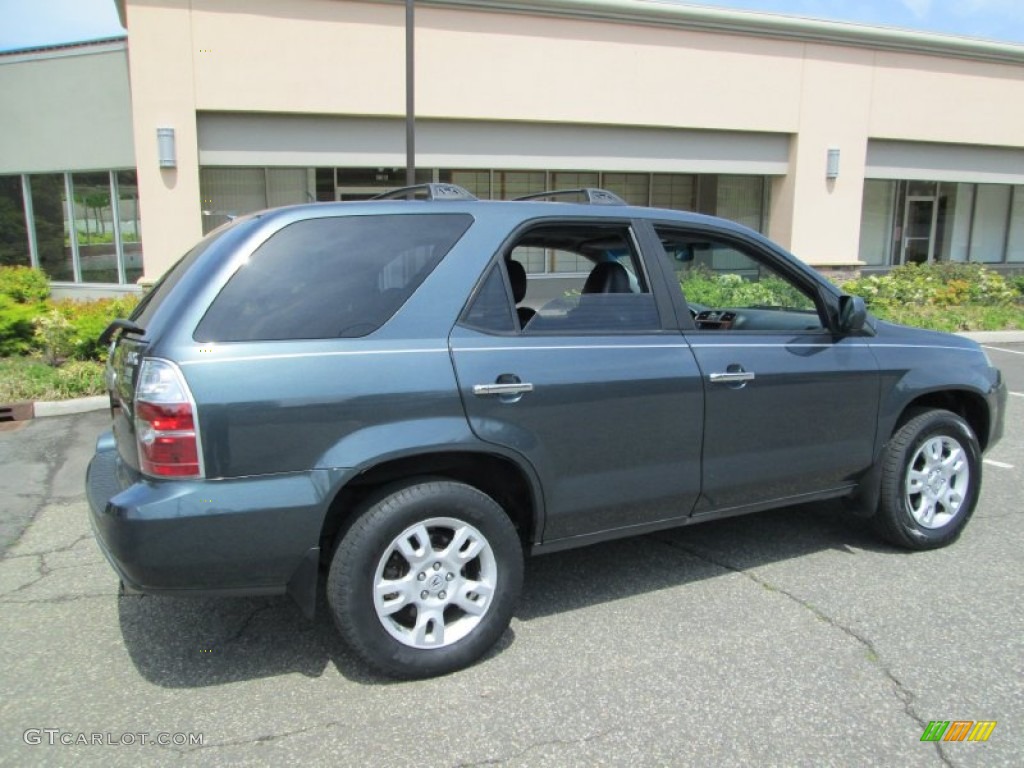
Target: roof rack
[(589, 195), (431, 191)]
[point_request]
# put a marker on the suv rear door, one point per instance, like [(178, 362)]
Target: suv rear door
[(597, 391)]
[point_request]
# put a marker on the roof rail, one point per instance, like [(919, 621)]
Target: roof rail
[(431, 191), (589, 195)]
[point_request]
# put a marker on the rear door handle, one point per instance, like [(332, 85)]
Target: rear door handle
[(512, 388), (732, 377)]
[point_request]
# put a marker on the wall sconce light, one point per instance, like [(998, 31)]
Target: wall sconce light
[(165, 148), (832, 166)]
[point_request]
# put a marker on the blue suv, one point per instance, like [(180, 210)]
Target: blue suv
[(410, 393)]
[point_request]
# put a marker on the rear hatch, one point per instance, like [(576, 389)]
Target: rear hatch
[(130, 342)]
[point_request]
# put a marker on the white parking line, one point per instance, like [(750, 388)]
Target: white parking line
[(1000, 464), (1017, 394), (1000, 349)]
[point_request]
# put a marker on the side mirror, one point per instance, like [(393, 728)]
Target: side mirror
[(853, 313)]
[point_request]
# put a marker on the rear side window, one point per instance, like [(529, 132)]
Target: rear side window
[(332, 277)]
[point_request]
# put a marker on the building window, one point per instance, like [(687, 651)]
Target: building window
[(78, 227), (14, 250), (924, 221), (93, 227), (126, 192), (53, 233), (1015, 242), (877, 222), (988, 232)]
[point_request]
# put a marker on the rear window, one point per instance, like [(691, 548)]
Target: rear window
[(331, 277)]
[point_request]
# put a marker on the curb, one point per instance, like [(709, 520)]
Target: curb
[(994, 337), (45, 409)]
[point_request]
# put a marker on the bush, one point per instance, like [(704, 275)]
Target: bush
[(72, 328), (24, 285), (17, 326), (702, 286), (944, 285)]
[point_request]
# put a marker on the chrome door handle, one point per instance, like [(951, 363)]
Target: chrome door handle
[(517, 388), (733, 377)]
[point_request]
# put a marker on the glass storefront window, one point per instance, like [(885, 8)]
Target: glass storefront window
[(574, 180), (674, 190), (49, 215), (741, 199), (876, 222), (94, 227), (634, 188), (988, 233), (1015, 244), (475, 182), (13, 232), (131, 229), (512, 184), (954, 221)]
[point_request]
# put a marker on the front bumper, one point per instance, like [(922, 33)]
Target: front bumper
[(246, 536)]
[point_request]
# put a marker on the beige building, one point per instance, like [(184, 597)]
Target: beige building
[(852, 146)]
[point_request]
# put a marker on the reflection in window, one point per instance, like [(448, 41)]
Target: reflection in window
[(741, 199), (634, 188), (94, 227), (988, 236), (1015, 244), (131, 230), (674, 190), (512, 184), (876, 222), (13, 232), (53, 235)]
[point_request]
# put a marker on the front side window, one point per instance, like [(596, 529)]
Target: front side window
[(342, 276), (728, 287)]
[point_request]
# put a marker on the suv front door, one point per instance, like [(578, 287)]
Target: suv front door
[(790, 407)]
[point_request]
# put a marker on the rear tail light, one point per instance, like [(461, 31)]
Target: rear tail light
[(165, 422)]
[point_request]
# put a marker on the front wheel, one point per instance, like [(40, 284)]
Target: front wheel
[(426, 579), (931, 476)]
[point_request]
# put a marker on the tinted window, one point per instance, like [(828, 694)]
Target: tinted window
[(332, 277), (729, 288), (606, 292), (490, 309)]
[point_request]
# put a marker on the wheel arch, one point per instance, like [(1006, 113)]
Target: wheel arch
[(968, 405), (513, 487)]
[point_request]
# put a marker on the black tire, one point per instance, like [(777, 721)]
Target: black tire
[(431, 633), (925, 445)]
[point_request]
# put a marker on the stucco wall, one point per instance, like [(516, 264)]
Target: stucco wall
[(333, 57), (65, 111)]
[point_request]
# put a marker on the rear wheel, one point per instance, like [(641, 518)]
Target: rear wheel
[(930, 481), (426, 579)]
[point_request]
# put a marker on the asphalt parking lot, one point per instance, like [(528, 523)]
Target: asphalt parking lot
[(786, 638)]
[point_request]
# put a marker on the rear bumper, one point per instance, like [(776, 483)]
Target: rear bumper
[(245, 536)]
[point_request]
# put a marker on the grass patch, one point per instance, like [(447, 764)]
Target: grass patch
[(26, 378)]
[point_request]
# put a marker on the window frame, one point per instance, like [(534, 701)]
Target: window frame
[(822, 294), (649, 262)]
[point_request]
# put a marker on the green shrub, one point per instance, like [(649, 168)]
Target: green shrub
[(702, 286), (83, 321), (17, 326), (944, 284), (24, 285)]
